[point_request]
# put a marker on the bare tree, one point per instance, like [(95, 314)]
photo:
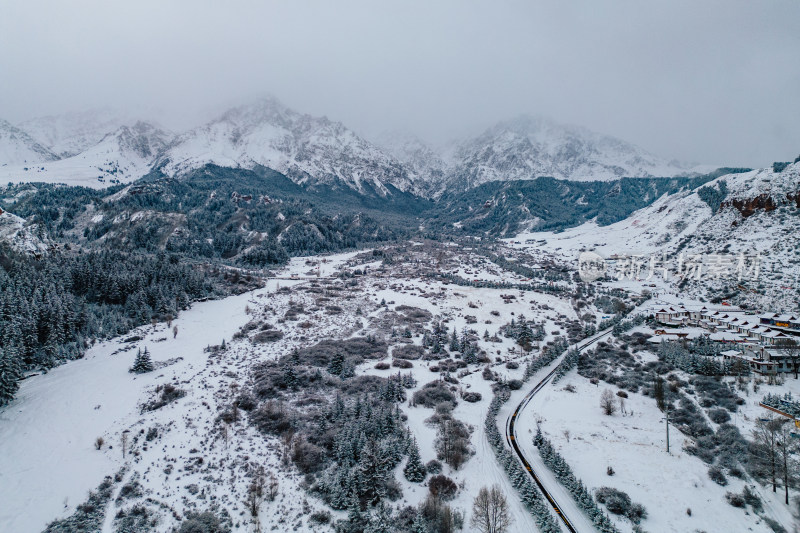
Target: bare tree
[(452, 442), (658, 393), (608, 402), (272, 487), (287, 445), (125, 442), (764, 449), (490, 511), (787, 447), (255, 494)]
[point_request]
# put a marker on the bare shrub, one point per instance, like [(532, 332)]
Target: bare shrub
[(270, 335), (168, 393), (433, 466), (471, 397), (308, 457), (272, 418), (434, 393), (515, 384), (442, 487), (408, 351)]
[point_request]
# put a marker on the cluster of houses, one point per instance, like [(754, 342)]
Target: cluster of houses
[(769, 343)]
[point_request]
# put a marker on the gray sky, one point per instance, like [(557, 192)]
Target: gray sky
[(707, 81)]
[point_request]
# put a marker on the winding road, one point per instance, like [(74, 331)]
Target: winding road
[(511, 436)]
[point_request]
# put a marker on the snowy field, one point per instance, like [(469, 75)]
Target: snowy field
[(634, 445)]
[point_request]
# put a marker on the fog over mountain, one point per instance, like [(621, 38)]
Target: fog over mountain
[(712, 83), (102, 149)]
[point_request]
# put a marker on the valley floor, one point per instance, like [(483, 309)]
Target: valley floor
[(185, 458)]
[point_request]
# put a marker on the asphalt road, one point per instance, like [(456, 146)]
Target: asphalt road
[(511, 436)]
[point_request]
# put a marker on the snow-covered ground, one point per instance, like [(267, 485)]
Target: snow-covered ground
[(48, 460), (482, 470), (634, 445), (53, 424)]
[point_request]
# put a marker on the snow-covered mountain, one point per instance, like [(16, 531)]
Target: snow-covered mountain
[(123, 155), (528, 147), (97, 148), (69, 134), (307, 149), (19, 148)]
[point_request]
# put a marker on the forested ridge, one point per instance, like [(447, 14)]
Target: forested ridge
[(506, 208)]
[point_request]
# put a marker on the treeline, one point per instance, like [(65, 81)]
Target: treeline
[(520, 479), (52, 309), (785, 403), (548, 288), (698, 358)]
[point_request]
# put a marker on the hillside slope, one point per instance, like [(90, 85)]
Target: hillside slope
[(122, 156), (19, 148), (753, 213)]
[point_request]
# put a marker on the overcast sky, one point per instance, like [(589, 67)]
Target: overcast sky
[(714, 82)]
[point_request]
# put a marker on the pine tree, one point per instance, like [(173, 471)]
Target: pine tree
[(454, 345), (354, 515), (9, 375), (289, 376), (382, 521), (336, 366), (142, 364), (414, 469), (419, 525)]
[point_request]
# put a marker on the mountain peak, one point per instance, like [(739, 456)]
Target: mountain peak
[(309, 150), (529, 146)]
